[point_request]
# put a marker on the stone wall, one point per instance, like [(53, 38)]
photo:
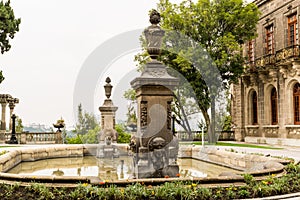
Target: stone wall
[(244, 162)]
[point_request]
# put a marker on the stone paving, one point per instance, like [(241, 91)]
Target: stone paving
[(284, 151)]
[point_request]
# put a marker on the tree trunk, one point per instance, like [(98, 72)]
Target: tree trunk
[(183, 118), (211, 131)]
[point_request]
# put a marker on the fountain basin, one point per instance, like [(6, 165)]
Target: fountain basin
[(219, 157)]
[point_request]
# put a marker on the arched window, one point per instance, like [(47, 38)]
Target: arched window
[(274, 113), (296, 97), (254, 109)]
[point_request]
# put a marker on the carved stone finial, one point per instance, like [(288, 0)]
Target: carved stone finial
[(108, 88), (154, 17), (107, 80), (154, 35)]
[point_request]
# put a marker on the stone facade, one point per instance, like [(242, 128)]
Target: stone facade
[(265, 102)]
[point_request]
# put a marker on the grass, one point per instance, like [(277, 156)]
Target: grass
[(8, 146), (228, 144)]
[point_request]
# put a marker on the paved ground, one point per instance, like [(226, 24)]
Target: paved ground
[(284, 151)]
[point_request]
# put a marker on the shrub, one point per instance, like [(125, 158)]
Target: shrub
[(74, 140), (123, 137)]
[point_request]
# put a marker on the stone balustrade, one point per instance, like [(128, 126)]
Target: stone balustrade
[(197, 135), (36, 138)]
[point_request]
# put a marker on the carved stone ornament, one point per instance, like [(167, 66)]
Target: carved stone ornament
[(154, 35), (154, 17), (273, 74), (108, 88), (263, 75), (169, 115), (246, 79), (143, 113), (283, 71), (157, 73)]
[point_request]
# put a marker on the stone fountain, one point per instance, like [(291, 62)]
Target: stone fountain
[(108, 135), (154, 146)]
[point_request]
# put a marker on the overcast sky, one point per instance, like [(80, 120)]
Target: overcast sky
[(57, 39)]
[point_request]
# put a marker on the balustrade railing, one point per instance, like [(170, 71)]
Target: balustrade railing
[(197, 135), (36, 138), (280, 56)]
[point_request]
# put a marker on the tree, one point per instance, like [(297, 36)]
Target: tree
[(9, 25), (19, 125), (130, 95), (86, 130), (216, 28), (85, 121), (91, 137), (123, 137)]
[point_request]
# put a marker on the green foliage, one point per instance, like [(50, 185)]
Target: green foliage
[(190, 190), (130, 95), (292, 168), (248, 178), (86, 130), (3, 152), (9, 25), (74, 140), (91, 137), (85, 121), (123, 137), (19, 125)]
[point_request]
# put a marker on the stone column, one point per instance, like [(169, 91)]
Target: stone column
[(282, 101), (3, 122), (237, 113), (11, 106)]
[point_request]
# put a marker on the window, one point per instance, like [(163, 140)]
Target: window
[(296, 95), (292, 30), (254, 109), (270, 39), (274, 115), (251, 52)]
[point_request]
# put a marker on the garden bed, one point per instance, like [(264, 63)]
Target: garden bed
[(252, 188)]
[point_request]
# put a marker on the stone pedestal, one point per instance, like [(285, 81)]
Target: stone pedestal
[(154, 146), (108, 135), (157, 147)]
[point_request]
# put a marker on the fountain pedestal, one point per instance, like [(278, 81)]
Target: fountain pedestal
[(108, 135), (155, 147)]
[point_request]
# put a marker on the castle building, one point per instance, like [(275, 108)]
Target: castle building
[(266, 101)]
